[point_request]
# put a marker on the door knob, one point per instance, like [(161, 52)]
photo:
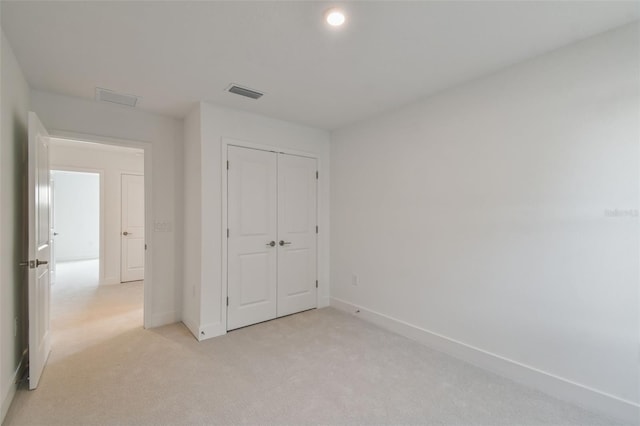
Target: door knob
[(55, 233), (271, 244), (125, 233), (284, 243)]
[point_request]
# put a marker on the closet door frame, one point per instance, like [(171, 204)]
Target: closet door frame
[(225, 143)]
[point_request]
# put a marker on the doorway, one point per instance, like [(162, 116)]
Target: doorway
[(75, 224), (92, 300)]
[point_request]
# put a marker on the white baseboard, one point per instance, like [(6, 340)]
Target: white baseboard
[(163, 318), (191, 327), (10, 392), (207, 331), (323, 302), (76, 259), (561, 388)]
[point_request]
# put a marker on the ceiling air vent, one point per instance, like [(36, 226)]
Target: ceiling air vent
[(243, 91), (106, 95)]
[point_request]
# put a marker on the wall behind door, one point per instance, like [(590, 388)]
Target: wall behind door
[(112, 162)]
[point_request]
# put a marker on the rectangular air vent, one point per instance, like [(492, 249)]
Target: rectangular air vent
[(106, 95), (243, 91)]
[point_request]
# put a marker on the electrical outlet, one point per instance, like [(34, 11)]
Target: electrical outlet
[(355, 280)]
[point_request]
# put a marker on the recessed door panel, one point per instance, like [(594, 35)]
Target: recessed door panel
[(297, 251), (251, 248)]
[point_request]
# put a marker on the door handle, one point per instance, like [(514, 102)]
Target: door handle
[(284, 243), (34, 263), (55, 233), (271, 244), (125, 233)]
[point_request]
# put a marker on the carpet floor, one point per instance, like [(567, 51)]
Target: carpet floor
[(316, 367)]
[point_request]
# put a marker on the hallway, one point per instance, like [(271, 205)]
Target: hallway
[(85, 314)]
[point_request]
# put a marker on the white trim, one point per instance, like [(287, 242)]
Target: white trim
[(225, 143), (191, 327), (323, 302), (559, 387), (208, 331), (147, 147)]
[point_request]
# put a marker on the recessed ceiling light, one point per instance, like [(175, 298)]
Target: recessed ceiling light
[(335, 17)]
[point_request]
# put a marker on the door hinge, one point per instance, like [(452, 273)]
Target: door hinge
[(316, 229), (227, 301), (317, 174), (145, 246), (227, 232), (227, 164), (316, 283)]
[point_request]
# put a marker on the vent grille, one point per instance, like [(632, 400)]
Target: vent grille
[(243, 91), (105, 95)]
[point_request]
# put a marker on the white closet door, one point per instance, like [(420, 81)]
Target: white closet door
[(297, 234), (251, 249)]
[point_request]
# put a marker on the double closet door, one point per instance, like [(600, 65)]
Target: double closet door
[(271, 235)]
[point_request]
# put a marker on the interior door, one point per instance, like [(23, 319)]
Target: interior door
[(297, 233), (132, 221), (53, 233), (39, 249), (251, 236)]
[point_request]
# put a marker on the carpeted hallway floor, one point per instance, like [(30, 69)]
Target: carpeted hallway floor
[(317, 367)]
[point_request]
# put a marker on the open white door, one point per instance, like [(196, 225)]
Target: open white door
[(132, 263), (39, 249)]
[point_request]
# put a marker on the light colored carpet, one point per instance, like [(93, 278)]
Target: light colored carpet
[(317, 367)]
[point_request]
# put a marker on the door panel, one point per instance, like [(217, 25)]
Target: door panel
[(297, 251), (252, 213), (132, 205), (39, 249)]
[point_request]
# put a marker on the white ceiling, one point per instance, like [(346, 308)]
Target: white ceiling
[(176, 53)]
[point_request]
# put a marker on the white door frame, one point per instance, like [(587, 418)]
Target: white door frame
[(225, 142), (147, 147), (100, 172)]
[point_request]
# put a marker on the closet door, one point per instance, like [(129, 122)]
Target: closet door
[(252, 250), (296, 234)]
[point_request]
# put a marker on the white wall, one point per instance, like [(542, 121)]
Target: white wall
[(76, 214), (192, 221), (79, 116), (480, 215), (111, 162), (14, 106), (217, 123)]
